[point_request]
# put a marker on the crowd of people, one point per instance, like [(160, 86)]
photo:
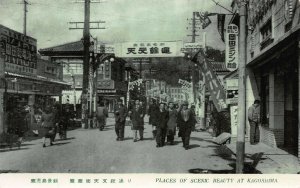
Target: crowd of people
[(165, 120), (43, 122)]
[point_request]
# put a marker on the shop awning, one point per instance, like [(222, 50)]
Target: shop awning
[(38, 78)]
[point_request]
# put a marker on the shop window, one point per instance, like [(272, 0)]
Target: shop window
[(266, 34)]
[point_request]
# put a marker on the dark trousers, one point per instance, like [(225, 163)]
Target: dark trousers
[(185, 136), (254, 132), (119, 128), (161, 136), (170, 138)]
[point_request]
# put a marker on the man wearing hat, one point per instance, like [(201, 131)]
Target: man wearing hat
[(185, 122), (120, 118), (162, 125)]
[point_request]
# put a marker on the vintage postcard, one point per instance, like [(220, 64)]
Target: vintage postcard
[(119, 93)]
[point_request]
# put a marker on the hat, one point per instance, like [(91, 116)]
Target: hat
[(185, 103)]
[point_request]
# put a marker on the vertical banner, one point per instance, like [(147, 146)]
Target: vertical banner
[(231, 47), (234, 120), (221, 22), (212, 83)]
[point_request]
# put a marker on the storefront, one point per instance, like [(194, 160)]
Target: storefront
[(110, 97), (26, 94), (276, 74)]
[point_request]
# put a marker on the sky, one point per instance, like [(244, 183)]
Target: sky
[(126, 20)]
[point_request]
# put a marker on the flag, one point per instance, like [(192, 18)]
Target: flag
[(221, 22), (204, 19)]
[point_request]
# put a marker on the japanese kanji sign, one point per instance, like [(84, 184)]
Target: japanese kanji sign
[(18, 51), (213, 84), (150, 49), (231, 41)]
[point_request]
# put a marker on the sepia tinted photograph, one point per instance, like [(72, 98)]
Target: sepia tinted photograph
[(150, 86)]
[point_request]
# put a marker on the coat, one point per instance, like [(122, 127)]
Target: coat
[(48, 124), (162, 119), (172, 122), (137, 117), (120, 113), (185, 125), (254, 114), (102, 114), (152, 112)]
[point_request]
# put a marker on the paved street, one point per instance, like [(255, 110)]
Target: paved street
[(94, 151)]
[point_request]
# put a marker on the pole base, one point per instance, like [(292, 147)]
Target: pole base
[(240, 157)]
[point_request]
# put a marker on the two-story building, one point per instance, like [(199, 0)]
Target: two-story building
[(273, 69), (29, 79), (111, 75)]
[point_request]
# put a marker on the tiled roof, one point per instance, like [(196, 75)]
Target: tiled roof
[(76, 46), (219, 66)]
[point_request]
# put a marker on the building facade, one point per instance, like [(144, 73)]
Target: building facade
[(111, 83), (27, 80), (273, 70)]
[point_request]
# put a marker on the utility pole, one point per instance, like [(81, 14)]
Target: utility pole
[(86, 56), (25, 16), (194, 27), (240, 144), (86, 64)]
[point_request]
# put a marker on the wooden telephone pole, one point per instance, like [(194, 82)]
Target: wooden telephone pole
[(240, 144), (86, 57), (25, 16)]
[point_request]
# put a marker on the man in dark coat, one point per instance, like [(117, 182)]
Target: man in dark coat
[(185, 122), (152, 112), (120, 118), (137, 117), (162, 121)]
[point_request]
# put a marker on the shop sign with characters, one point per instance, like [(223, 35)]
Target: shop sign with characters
[(150, 49), (231, 41), (18, 51)]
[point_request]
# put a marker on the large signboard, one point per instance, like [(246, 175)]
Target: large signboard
[(231, 42), (18, 52), (149, 49)]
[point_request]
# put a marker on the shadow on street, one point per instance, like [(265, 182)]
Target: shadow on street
[(226, 154), (12, 149)]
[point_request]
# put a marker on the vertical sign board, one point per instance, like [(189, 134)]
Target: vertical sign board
[(213, 84), (231, 48), (234, 119)]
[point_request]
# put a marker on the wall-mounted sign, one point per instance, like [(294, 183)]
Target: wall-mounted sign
[(191, 47), (234, 120), (18, 51), (232, 84), (231, 42)]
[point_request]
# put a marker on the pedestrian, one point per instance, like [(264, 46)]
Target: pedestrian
[(254, 120), (185, 123), (162, 121), (152, 112), (120, 119), (172, 123), (102, 114), (137, 116), (193, 110), (48, 126)]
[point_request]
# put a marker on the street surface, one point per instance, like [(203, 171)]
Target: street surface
[(94, 151)]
